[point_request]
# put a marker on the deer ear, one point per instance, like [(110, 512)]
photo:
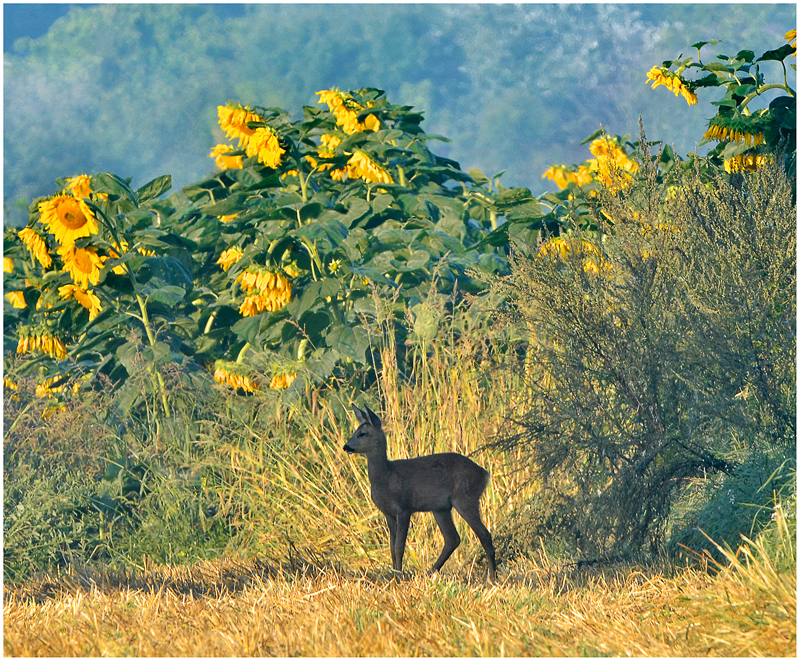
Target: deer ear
[(361, 417), (374, 420)]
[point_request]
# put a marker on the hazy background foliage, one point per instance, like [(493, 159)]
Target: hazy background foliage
[(133, 89)]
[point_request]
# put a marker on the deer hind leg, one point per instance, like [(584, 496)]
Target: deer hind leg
[(470, 512), (444, 519)]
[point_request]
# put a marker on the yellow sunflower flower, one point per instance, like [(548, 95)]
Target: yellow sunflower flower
[(747, 162), (282, 381), (229, 257), (16, 299), (266, 291), (86, 298), (46, 389), (791, 36), (8, 265), (563, 177), (43, 342), (83, 264), (228, 219), (228, 374), (226, 162), (234, 122), (264, 143), (79, 186), (362, 166), (611, 164), (733, 134), (36, 245), (562, 247), (346, 110), (672, 81), (67, 218)]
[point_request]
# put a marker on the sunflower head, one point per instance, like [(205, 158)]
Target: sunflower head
[(67, 218), (83, 264)]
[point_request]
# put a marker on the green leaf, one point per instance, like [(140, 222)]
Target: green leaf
[(495, 238), (716, 66), (169, 295), (778, 54), (153, 189), (479, 177), (328, 234), (426, 322), (304, 211), (525, 212), (111, 184), (349, 342), (700, 44), (157, 353), (230, 205), (381, 202)]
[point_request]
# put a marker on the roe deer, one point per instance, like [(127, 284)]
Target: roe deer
[(435, 483)]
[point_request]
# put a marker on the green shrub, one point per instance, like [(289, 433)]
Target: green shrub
[(655, 343)]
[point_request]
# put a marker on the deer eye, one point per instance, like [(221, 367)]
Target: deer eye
[(361, 432)]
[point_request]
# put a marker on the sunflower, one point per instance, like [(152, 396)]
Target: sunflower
[(83, 264), (36, 245), (229, 257), (282, 381), (86, 298), (67, 218), (562, 247), (361, 165), (230, 374), (79, 186), (234, 122), (346, 110), (225, 162), (16, 299), (266, 291), (746, 162), (611, 164), (791, 36), (562, 177), (734, 130), (8, 265), (43, 342), (672, 81), (264, 143)]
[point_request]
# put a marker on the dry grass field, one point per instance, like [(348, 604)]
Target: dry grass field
[(536, 609)]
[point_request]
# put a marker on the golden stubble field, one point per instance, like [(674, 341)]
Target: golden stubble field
[(536, 609)]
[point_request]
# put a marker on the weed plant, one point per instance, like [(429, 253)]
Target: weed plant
[(662, 353)]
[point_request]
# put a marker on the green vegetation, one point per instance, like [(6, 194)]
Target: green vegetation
[(620, 355)]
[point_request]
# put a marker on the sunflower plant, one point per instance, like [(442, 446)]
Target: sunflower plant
[(746, 137), (309, 222), (268, 273), (92, 263)]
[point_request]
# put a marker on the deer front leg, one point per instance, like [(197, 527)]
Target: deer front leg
[(391, 522), (403, 521)]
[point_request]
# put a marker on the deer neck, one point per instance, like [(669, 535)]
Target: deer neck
[(377, 462)]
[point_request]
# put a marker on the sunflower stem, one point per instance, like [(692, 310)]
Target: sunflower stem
[(151, 338), (764, 88), (243, 351)]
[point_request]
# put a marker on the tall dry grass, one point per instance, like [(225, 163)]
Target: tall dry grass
[(538, 609), (283, 478)]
